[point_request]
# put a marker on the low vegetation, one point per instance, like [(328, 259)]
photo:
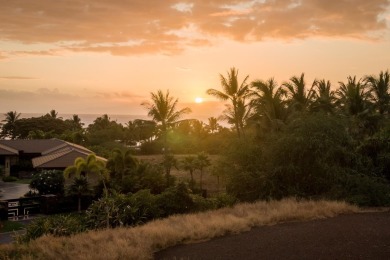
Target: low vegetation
[(141, 242)]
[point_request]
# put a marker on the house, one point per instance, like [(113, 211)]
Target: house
[(23, 155)]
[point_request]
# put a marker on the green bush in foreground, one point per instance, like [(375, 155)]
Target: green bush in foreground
[(57, 225)]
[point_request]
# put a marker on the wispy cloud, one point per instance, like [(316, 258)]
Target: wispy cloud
[(16, 78), (109, 26), (98, 102)]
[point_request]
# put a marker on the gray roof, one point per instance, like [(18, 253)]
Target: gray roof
[(32, 146), (61, 158), (5, 150), (52, 153)]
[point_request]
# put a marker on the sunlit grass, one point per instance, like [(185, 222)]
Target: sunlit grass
[(142, 241)]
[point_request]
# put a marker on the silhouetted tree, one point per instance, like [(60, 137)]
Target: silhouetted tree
[(164, 112), (234, 92)]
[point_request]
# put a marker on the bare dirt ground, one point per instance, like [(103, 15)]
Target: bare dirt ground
[(353, 236)]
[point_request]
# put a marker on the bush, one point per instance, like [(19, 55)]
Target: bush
[(115, 210), (175, 200), (362, 190), (57, 225), (48, 182)]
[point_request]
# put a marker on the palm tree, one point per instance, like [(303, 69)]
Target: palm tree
[(198, 128), (168, 162), (76, 122), (163, 110), (269, 102), (79, 187), (380, 87), (354, 100), (9, 128), (212, 125), (120, 162), (324, 97), (300, 98), (90, 166), (353, 97), (86, 166), (202, 161), (241, 114), (53, 114), (235, 93), (190, 164)]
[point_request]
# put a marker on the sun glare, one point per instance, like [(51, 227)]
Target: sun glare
[(198, 100)]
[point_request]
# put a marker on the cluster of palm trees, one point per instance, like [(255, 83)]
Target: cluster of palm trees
[(270, 104)]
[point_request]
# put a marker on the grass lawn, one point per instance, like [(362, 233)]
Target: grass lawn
[(23, 181), (8, 226)]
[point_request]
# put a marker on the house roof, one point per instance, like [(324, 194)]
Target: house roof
[(32, 146), (5, 150), (61, 158), (51, 153)]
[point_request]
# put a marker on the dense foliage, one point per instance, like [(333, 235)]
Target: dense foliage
[(48, 182)]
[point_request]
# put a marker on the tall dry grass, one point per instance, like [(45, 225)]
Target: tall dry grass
[(142, 241)]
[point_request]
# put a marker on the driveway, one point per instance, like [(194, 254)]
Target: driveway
[(11, 190)]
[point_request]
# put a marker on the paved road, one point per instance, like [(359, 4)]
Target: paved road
[(11, 190), (354, 236)]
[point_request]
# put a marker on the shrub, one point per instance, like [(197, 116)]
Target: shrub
[(48, 182), (113, 211), (362, 190), (175, 200), (56, 225)]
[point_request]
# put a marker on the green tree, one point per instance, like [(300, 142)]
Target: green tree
[(190, 164), (380, 87), (90, 165), (9, 128), (164, 112), (213, 125), (300, 98), (53, 114), (269, 103), (51, 127), (242, 113), (104, 130), (202, 162), (121, 162), (75, 123), (168, 162), (324, 97), (353, 97), (80, 188), (235, 93)]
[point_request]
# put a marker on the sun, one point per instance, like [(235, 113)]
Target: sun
[(198, 100)]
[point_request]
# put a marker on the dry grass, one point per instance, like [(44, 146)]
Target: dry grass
[(142, 241)]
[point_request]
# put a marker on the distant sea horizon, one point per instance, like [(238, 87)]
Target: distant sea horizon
[(88, 119)]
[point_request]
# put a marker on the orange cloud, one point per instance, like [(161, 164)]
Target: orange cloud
[(108, 26)]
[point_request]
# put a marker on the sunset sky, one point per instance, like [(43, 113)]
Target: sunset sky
[(100, 56)]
